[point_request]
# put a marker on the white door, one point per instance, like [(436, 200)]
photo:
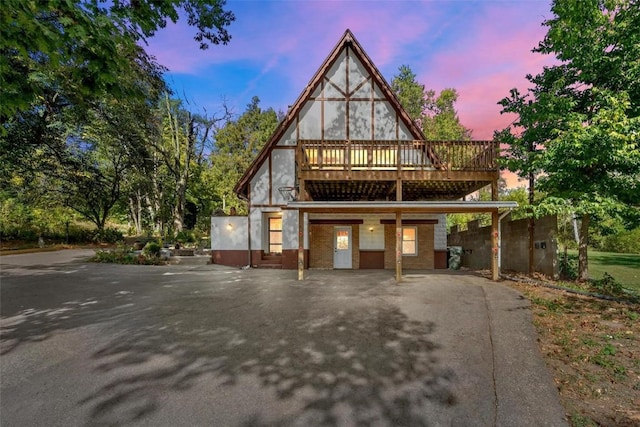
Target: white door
[(342, 247)]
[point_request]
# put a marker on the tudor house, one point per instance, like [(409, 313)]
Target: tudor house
[(348, 181)]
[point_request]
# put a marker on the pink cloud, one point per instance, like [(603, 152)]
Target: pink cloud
[(484, 65)]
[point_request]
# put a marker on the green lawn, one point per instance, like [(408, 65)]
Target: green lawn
[(625, 268)]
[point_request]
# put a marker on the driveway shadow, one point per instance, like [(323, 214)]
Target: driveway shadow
[(348, 357), (359, 365)]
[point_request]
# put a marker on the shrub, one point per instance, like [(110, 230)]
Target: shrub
[(108, 235), (624, 242), (568, 266), (607, 285), (119, 255), (152, 249), (123, 255), (186, 236)]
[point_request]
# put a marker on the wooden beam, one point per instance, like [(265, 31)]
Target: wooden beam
[(410, 221), (398, 246), (338, 221), (392, 175), (495, 273), (392, 210), (399, 189)]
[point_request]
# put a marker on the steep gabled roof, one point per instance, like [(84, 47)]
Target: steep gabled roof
[(347, 40)]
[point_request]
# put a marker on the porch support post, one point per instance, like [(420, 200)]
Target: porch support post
[(300, 244), (398, 246), (494, 245)]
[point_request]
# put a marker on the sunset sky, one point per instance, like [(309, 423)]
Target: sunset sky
[(481, 48)]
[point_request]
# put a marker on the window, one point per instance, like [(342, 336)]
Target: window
[(409, 241), (275, 235)]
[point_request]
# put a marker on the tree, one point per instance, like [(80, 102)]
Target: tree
[(90, 42), (585, 112), (436, 115), (237, 144), (412, 95), (185, 139)]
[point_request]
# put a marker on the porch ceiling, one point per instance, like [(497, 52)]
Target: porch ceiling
[(355, 190)]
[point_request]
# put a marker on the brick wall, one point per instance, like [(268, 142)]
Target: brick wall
[(321, 246), (476, 245), (425, 258)]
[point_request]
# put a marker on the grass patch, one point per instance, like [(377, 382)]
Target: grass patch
[(625, 268)]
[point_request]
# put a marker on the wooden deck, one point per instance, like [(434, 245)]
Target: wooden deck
[(395, 170)]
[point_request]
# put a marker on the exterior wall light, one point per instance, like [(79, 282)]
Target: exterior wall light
[(229, 226), (371, 229)]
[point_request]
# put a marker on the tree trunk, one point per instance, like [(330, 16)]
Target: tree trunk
[(583, 268), (178, 209)]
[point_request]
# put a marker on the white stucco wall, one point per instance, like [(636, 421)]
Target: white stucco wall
[(283, 173), (229, 233), (289, 136), (290, 229), (310, 120), (384, 121), (260, 186), (256, 229), (360, 120)]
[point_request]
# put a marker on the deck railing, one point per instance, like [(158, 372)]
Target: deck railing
[(408, 155)]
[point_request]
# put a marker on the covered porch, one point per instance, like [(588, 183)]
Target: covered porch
[(398, 211)]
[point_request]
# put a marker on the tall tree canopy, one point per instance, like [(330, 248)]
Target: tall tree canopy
[(82, 46), (79, 114), (435, 114), (579, 125), (237, 145)]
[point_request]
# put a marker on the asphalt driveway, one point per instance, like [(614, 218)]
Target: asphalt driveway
[(100, 344)]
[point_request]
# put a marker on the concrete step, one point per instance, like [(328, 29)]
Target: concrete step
[(271, 265)]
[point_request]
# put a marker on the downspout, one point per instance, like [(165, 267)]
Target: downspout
[(500, 218)]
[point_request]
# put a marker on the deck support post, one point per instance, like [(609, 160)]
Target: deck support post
[(300, 244), (398, 246), (495, 252)]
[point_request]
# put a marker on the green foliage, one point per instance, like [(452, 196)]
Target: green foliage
[(608, 285), (236, 146), (124, 255), (108, 235), (568, 266), (119, 255), (82, 47), (185, 236), (623, 242), (410, 93), (435, 114), (579, 126), (152, 249)]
